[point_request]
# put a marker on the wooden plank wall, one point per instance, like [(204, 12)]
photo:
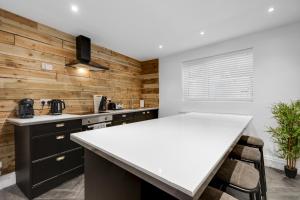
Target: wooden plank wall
[(25, 45), (150, 88)]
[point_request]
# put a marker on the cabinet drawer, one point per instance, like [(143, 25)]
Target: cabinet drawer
[(50, 144), (45, 169), (140, 116), (116, 123), (42, 129), (69, 144), (47, 145), (54, 166), (151, 114), (52, 183), (125, 116), (72, 160)]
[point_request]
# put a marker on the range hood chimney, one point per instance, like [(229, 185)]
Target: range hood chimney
[(83, 55)]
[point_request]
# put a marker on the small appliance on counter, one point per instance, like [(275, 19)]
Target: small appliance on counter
[(114, 106), (57, 106), (26, 108), (100, 103)]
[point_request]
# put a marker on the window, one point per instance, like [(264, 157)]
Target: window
[(226, 77)]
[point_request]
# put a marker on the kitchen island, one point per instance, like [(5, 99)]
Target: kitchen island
[(167, 158)]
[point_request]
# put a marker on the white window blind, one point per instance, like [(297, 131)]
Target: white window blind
[(226, 77)]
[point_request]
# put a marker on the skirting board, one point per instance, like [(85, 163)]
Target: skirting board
[(277, 163), (7, 180), (270, 161)]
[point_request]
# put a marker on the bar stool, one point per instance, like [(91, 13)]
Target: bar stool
[(240, 176), (211, 193), (250, 155), (259, 144)]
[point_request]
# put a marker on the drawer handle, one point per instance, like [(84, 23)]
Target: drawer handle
[(60, 137), (123, 115), (60, 158), (60, 125), (124, 123), (144, 113), (148, 112)]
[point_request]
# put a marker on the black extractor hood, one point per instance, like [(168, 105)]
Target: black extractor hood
[(83, 55)]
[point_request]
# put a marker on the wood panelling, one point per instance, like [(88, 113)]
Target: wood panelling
[(25, 45), (7, 38), (150, 88)]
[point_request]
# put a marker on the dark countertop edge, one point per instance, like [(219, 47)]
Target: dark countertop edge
[(10, 120)]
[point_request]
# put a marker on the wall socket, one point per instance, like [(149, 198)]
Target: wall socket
[(47, 66), (44, 102), (0, 168)]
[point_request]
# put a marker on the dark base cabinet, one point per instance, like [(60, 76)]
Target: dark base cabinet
[(46, 157), (132, 117), (107, 181)]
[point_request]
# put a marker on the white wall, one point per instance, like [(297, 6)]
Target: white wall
[(277, 78)]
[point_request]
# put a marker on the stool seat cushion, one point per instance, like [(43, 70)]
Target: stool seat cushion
[(239, 174), (211, 193), (250, 140), (242, 152)]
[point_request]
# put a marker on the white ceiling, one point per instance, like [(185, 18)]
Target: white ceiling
[(137, 27)]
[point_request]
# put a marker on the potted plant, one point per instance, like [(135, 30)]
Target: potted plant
[(287, 134)]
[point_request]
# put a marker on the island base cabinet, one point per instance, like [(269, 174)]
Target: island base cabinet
[(106, 181)]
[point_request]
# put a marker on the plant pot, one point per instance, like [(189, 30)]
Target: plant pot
[(290, 173)]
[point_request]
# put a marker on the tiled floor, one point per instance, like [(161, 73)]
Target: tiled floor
[(279, 188)]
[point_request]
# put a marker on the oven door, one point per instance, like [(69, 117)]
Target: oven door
[(96, 126)]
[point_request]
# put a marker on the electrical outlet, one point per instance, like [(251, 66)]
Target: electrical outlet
[(47, 66), (44, 102), (0, 168)]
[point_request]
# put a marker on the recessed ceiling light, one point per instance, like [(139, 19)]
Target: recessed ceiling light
[(74, 8), (271, 9), (160, 46), (202, 33)]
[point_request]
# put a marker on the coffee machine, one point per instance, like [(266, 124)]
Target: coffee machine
[(26, 108), (100, 103), (57, 106)]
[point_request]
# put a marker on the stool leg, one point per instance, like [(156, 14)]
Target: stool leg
[(258, 193), (261, 177), (263, 174)]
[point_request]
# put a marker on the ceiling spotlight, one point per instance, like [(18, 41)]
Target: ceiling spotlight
[(160, 46), (271, 9), (74, 8), (202, 33)]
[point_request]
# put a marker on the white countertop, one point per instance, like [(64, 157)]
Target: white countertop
[(39, 119), (180, 150)]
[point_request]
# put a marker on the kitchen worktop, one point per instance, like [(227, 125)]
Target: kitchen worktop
[(40, 119), (180, 151)]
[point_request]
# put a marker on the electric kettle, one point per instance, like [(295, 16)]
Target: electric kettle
[(57, 106)]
